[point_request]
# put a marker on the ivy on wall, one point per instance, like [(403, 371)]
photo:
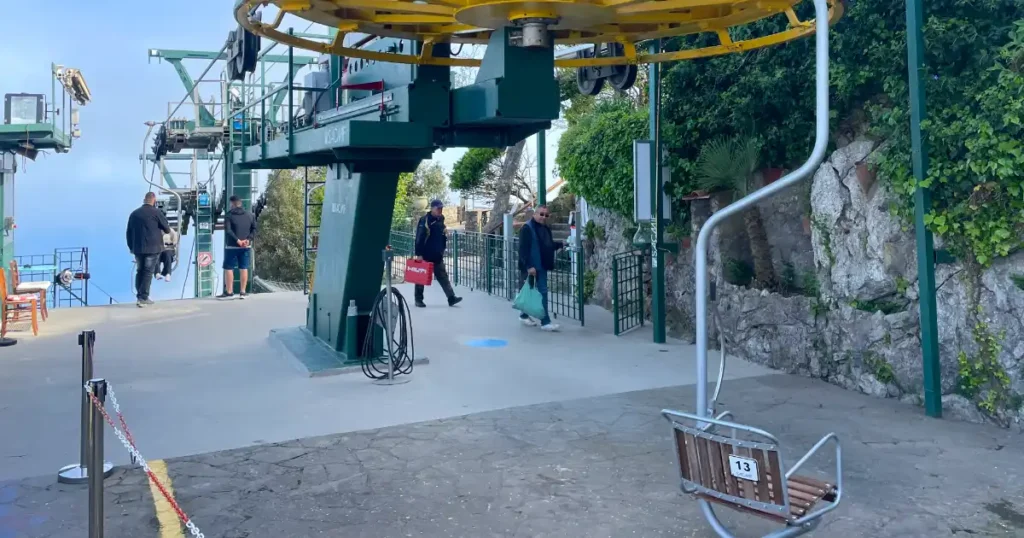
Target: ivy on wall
[(975, 94), (595, 155)]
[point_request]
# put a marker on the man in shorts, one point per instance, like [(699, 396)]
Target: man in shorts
[(239, 231)]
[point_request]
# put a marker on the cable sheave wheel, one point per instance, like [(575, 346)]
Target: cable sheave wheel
[(375, 362)]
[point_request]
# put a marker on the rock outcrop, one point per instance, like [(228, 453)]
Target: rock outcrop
[(859, 328)]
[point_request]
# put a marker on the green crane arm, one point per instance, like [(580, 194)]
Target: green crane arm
[(205, 116)]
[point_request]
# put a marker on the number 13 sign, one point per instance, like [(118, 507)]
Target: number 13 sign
[(744, 468)]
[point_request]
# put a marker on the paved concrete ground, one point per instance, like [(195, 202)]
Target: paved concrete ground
[(553, 435), (594, 468), (197, 376)]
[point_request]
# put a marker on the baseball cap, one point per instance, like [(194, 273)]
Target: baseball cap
[(436, 204)]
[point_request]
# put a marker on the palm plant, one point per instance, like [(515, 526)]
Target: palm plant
[(729, 164)]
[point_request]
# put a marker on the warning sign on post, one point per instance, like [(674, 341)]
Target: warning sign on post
[(205, 259)]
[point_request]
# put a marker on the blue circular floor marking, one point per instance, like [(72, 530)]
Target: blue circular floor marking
[(487, 342)]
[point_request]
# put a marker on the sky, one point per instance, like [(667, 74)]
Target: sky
[(83, 198)]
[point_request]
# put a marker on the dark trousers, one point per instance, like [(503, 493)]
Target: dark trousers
[(145, 266), (166, 262), (441, 276)]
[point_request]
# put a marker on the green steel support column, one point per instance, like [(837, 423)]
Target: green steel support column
[(6, 201), (349, 266), (542, 180), (291, 98), (237, 182), (205, 276), (922, 204), (657, 252)]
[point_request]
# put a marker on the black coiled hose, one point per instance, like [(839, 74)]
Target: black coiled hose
[(375, 361)]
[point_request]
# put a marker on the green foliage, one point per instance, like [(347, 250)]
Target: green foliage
[(595, 155), (429, 181), (880, 368), (902, 285), (810, 285), (403, 203), (793, 281), (629, 232), (788, 278), (593, 231), (678, 228), (885, 306), (981, 377), (1018, 280), (974, 52), (589, 284), (279, 256), (738, 272), (826, 240), (819, 307), (471, 171), (728, 163), (975, 135)]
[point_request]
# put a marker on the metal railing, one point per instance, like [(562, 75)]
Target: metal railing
[(628, 296)]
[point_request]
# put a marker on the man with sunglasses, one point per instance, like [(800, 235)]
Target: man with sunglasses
[(537, 248)]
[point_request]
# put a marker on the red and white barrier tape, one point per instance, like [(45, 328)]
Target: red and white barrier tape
[(126, 439)]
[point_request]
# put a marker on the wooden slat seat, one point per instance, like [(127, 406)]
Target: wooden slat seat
[(748, 475)]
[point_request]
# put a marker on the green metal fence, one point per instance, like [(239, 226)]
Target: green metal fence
[(628, 290), (402, 245), (565, 285), (488, 263)]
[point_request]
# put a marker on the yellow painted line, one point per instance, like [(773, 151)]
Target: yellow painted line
[(170, 525)]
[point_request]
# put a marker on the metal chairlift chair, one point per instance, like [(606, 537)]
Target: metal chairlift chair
[(743, 469)]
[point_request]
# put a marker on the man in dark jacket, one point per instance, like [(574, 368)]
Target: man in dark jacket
[(145, 234), (239, 232), (431, 240), (536, 258)]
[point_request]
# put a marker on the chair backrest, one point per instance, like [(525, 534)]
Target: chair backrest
[(15, 276), (745, 474), (3, 287)]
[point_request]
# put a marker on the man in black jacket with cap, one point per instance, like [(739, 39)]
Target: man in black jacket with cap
[(431, 240), (145, 234)]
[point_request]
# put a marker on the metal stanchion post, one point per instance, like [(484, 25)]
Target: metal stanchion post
[(98, 388), (78, 473), (389, 324)]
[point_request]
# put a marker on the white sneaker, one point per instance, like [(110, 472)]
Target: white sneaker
[(529, 322), (550, 327), (167, 278)]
